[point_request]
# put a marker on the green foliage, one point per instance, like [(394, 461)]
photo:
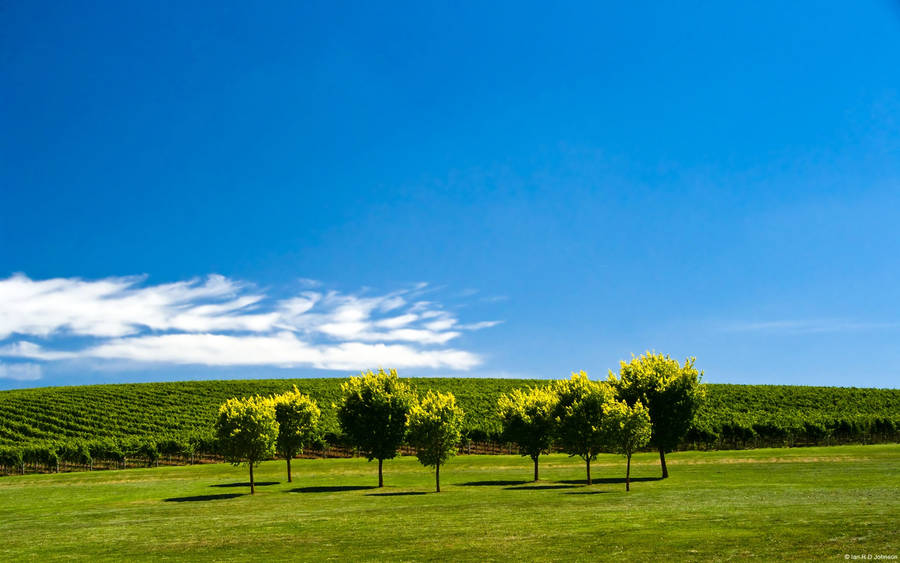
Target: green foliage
[(579, 415), (373, 411), (108, 449), (627, 428), (247, 430), (149, 451), (672, 393), (76, 452), (435, 427), (528, 419), (11, 459), (298, 422), (731, 416)]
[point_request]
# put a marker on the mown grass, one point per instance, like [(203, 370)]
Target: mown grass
[(804, 503)]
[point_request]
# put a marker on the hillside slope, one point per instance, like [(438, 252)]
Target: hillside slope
[(732, 415)]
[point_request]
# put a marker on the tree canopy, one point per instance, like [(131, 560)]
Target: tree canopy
[(435, 429), (671, 392), (627, 428), (579, 416), (298, 424), (529, 420), (373, 412), (247, 431)]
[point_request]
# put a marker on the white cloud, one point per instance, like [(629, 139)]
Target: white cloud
[(309, 282), (283, 349), (21, 372), (218, 321), (398, 321), (443, 322), (25, 349), (807, 326), (480, 325), (117, 306)]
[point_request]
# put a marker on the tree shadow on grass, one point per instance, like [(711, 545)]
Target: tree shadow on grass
[(539, 487), (490, 483), (335, 489), (611, 480), (397, 494), (585, 492), (200, 498), (257, 483)]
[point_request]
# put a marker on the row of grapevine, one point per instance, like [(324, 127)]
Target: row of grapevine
[(732, 416), (108, 453)]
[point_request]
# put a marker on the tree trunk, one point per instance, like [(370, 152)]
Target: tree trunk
[(289, 467), (628, 474), (588, 462), (252, 484), (380, 475), (437, 477), (662, 462), (535, 458)]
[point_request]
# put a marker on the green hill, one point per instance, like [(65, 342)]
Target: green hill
[(732, 415)]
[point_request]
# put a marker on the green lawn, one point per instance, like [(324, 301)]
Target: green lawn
[(804, 503)]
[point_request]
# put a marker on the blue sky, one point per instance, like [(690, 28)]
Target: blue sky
[(504, 190)]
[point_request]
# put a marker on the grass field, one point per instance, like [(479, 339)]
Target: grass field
[(802, 503)]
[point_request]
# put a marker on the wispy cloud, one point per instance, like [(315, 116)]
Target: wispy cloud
[(120, 306), (807, 326), (218, 321), (20, 372), (309, 282)]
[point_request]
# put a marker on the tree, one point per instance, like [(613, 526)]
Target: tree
[(627, 428), (435, 429), (298, 424), (247, 430), (671, 392), (579, 416), (12, 459), (528, 421), (170, 446), (76, 453), (373, 412), (149, 450)]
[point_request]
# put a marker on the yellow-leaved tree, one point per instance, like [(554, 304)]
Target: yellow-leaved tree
[(627, 428), (373, 412), (435, 426), (247, 430), (671, 392), (579, 416), (528, 420), (298, 424)]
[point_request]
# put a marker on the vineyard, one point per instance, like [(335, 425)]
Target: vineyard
[(80, 426)]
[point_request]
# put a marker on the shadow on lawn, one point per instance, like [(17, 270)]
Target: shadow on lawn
[(336, 489), (540, 487), (611, 480), (490, 483), (585, 492), (200, 498), (258, 484), (398, 494)]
